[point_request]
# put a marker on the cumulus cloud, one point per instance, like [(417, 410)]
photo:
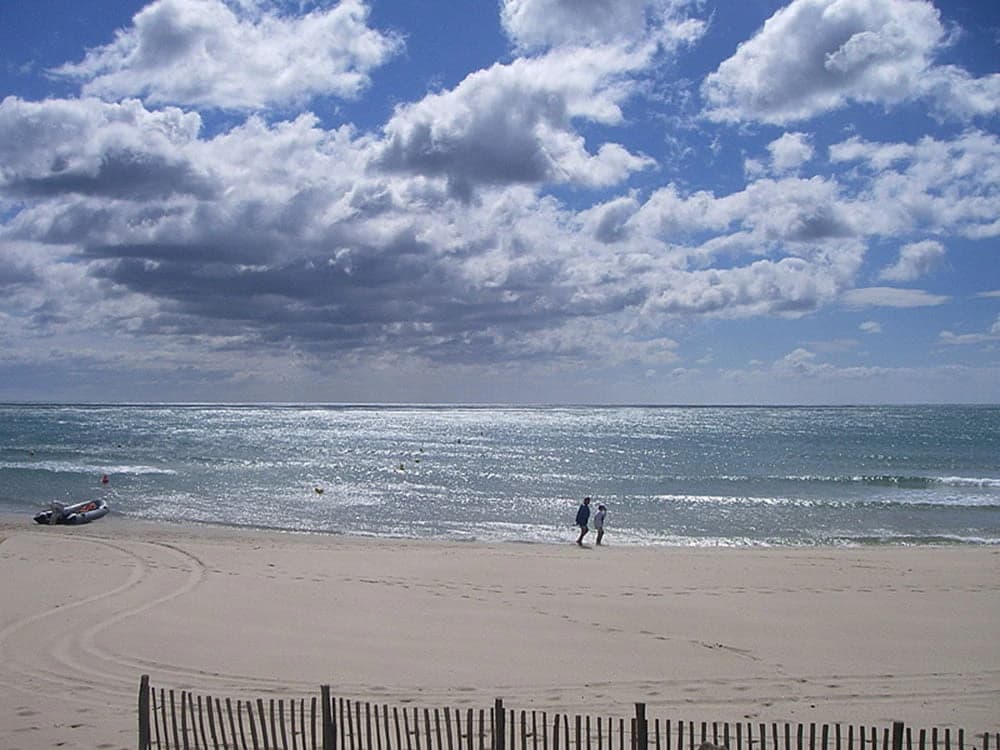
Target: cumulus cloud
[(239, 56), (957, 94), (513, 124), (814, 56), (302, 243), (486, 223), (789, 210), (871, 326), (789, 287), (538, 24), (803, 364), (915, 260), (931, 185), (790, 151), (88, 147)]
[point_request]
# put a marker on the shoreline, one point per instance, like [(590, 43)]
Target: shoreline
[(616, 538), (846, 635)]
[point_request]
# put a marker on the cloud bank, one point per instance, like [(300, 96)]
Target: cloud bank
[(509, 220)]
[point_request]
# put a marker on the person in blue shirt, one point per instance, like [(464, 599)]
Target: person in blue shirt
[(583, 519)]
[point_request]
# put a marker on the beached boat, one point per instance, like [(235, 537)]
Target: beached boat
[(73, 515)]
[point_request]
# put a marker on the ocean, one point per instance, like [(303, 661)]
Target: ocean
[(684, 476)]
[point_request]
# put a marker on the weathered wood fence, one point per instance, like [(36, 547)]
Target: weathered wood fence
[(181, 720)]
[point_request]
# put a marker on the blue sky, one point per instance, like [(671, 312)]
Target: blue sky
[(569, 201)]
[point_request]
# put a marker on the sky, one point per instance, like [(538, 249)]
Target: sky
[(500, 201)]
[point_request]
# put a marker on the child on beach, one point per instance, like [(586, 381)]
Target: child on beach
[(599, 522)]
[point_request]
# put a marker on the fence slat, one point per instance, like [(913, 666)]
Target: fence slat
[(144, 732), (210, 708), (201, 724), (406, 730), (253, 726), (239, 716), (262, 715), (156, 723), (183, 735), (281, 721)]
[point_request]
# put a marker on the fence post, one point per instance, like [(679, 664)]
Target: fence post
[(897, 735), (329, 733), (641, 729), (499, 725), (144, 712)]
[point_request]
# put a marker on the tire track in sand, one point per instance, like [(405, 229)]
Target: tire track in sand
[(55, 653), (60, 651)]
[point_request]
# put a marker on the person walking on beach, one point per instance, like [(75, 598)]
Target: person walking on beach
[(583, 520), (599, 522)]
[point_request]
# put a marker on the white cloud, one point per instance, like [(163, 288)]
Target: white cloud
[(870, 326), (931, 185), (789, 210), (434, 239), (915, 260), (86, 146), (881, 296), (538, 24), (790, 151), (789, 287), (513, 123), (814, 56), (993, 334), (957, 94), (209, 53)]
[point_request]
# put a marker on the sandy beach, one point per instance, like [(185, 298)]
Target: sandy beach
[(866, 635)]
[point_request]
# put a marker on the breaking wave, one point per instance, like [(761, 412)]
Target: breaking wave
[(70, 467)]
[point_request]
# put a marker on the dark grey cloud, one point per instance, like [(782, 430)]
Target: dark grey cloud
[(16, 274), (126, 175), (495, 147), (398, 297)]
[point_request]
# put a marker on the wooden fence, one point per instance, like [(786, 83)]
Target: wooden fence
[(181, 720)]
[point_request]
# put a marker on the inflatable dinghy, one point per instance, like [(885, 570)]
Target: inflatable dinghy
[(73, 515)]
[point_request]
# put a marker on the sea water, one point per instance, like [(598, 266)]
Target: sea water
[(668, 475)]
